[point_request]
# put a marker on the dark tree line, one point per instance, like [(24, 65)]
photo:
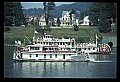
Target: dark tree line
[(13, 14), (103, 14), (48, 6)]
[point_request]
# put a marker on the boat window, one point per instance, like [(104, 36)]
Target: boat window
[(93, 48), (84, 48), (72, 44), (68, 43), (36, 55), (31, 48), (56, 48), (30, 55), (44, 55), (50, 55), (63, 56), (37, 48), (34, 48), (79, 49), (88, 48), (52, 48), (49, 48), (43, 42), (49, 43), (55, 55), (44, 48), (60, 43)]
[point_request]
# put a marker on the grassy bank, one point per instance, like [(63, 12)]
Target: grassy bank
[(84, 34)]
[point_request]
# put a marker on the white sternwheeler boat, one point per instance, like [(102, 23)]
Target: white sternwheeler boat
[(49, 48)]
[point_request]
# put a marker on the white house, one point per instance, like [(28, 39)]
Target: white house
[(42, 21), (65, 20), (86, 21)]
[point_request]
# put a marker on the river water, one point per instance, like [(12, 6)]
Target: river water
[(99, 69)]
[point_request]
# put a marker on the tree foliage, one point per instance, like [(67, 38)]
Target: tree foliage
[(104, 25), (97, 10), (72, 11), (6, 28), (48, 6), (13, 13), (58, 22), (76, 28)]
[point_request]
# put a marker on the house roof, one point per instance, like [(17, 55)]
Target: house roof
[(86, 17), (64, 13)]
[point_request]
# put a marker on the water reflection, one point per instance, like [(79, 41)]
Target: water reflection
[(63, 70), (102, 57), (39, 69)]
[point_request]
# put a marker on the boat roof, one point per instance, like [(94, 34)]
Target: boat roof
[(48, 35)]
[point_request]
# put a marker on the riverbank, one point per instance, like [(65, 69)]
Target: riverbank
[(84, 34)]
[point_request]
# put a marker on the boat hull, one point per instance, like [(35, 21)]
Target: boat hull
[(107, 53), (50, 57), (48, 60)]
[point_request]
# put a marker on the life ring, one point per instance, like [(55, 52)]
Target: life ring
[(105, 49)]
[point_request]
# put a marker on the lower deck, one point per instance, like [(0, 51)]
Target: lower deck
[(49, 57), (51, 60)]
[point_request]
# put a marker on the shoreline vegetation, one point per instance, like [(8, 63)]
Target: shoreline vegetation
[(84, 34)]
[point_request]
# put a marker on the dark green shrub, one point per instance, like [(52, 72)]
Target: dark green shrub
[(75, 28), (6, 28)]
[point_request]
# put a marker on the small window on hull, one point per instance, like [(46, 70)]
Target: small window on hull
[(50, 55), (36, 55), (55, 55), (30, 55)]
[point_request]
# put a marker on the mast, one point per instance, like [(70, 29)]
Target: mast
[(27, 39), (96, 40), (34, 35)]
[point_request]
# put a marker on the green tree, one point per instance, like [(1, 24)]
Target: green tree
[(58, 22), (6, 28), (13, 13), (70, 13), (48, 6), (104, 25), (98, 9), (76, 28)]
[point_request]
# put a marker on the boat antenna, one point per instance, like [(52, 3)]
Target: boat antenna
[(27, 39), (96, 39)]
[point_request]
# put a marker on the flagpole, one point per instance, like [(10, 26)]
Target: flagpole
[(34, 32), (34, 35), (96, 40)]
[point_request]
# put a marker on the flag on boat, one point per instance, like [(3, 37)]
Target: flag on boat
[(19, 42), (36, 32), (16, 42)]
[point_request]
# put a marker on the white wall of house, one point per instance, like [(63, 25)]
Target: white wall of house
[(85, 21), (77, 22), (55, 21), (65, 20), (42, 21)]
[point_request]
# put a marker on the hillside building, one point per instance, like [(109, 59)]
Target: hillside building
[(86, 21)]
